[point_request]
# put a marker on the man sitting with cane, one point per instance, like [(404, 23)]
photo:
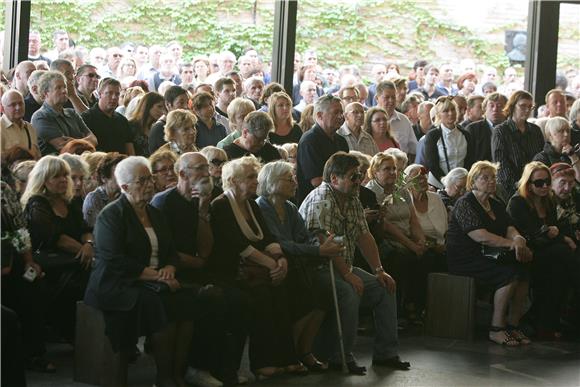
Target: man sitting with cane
[(334, 207)]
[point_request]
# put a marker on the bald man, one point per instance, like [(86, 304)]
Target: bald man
[(21, 74), (352, 130), (14, 131)]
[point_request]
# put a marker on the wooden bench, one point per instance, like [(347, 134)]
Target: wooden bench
[(93, 360), (450, 306)]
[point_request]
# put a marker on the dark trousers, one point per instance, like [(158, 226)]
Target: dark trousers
[(13, 374)]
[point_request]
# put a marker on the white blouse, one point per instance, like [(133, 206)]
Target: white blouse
[(154, 260), (434, 221)]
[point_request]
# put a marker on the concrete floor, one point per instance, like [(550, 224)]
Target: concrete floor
[(435, 362)]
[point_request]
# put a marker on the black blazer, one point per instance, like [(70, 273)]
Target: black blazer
[(480, 132), (122, 251), (432, 153)]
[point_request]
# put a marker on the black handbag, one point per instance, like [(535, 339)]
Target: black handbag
[(54, 259), (156, 286)]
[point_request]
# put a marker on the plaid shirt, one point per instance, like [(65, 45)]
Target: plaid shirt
[(320, 211)]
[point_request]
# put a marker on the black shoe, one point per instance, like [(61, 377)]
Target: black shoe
[(353, 368), (393, 362)]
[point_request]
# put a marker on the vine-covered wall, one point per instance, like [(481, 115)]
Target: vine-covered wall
[(360, 32)]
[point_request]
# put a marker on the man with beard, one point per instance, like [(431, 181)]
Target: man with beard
[(333, 207), (111, 128), (186, 208), (481, 131)]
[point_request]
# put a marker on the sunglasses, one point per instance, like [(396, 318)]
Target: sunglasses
[(539, 183), (357, 176), (217, 162)]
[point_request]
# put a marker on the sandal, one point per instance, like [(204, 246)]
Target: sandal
[(503, 337), (517, 333), (313, 364), (40, 364)]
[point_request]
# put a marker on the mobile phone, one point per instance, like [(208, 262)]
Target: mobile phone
[(30, 274)]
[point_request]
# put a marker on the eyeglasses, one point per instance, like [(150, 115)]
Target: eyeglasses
[(356, 177), (143, 180), (539, 183), (217, 162), (117, 55), (93, 75), (163, 170)]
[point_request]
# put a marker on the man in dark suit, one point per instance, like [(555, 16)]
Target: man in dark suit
[(481, 131)]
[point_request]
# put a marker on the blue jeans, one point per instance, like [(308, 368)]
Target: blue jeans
[(375, 298)]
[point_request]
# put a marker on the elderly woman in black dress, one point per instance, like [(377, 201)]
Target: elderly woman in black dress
[(277, 187), (246, 246), (133, 281), (478, 221)]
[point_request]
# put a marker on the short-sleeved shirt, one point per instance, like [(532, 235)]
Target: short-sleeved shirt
[(112, 133), (402, 130), (14, 135), (266, 154), (50, 125), (320, 211), (314, 149), (209, 136)]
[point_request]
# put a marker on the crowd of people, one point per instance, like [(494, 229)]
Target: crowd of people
[(200, 204)]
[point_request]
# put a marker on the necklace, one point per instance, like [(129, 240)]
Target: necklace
[(487, 207)]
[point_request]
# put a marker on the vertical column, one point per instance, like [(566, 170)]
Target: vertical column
[(284, 43), (16, 25), (542, 48)]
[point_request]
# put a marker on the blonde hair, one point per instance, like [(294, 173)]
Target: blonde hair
[(211, 151), (238, 105), (444, 104), (93, 159), (477, 169), (47, 168), (526, 178), (236, 168), (376, 162), (178, 119), (280, 95)]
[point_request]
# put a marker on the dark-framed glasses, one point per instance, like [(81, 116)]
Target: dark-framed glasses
[(217, 162)]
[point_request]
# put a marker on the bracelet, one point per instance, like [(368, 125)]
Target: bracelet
[(379, 269)]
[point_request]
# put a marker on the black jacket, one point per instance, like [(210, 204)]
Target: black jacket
[(480, 132), (432, 153), (122, 251)]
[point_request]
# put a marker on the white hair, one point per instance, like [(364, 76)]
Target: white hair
[(454, 176), (270, 175), (236, 169), (397, 154), (125, 170)]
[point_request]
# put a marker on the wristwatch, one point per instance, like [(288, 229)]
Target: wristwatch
[(90, 242), (379, 269)]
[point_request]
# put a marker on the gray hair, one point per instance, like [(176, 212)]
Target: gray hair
[(454, 176), (258, 124), (46, 80), (575, 110), (76, 163), (125, 170), (211, 151), (270, 175), (7, 95), (250, 81), (34, 78), (556, 124), (423, 106), (323, 103), (411, 168), (397, 154), (184, 160), (235, 169)]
